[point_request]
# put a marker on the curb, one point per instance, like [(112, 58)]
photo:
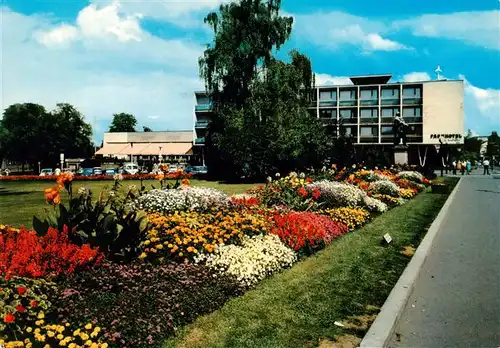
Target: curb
[(382, 329)]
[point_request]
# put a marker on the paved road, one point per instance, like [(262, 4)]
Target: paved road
[(456, 299)]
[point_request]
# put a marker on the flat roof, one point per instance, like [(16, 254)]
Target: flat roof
[(389, 83), (378, 79)]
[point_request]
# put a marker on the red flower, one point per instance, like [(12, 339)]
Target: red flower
[(34, 304), (9, 318), (309, 180), (315, 193), (20, 309), (21, 290), (303, 192)]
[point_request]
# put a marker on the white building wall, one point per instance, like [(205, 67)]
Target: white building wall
[(443, 110)]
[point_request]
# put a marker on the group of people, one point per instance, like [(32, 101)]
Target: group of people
[(465, 167)]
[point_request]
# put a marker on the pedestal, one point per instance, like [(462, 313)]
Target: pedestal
[(400, 154)]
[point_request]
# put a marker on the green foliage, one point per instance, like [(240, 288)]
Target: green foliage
[(472, 147), (107, 223), (261, 124), (123, 122), (28, 133), (146, 129), (493, 148)]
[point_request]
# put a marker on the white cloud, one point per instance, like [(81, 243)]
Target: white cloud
[(416, 77), (335, 29), (95, 23), (478, 28), (100, 76), (325, 80), (487, 101)]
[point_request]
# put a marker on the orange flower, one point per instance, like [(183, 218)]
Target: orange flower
[(52, 196), (185, 182), (9, 318), (160, 177)]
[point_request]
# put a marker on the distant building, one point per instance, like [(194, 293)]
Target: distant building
[(433, 110), (148, 146)]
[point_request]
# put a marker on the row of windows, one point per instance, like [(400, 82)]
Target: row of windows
[(369, 112), (391, 93), (384, 131)]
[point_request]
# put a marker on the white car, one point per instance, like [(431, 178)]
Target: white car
[(46, 171), (130, 168)]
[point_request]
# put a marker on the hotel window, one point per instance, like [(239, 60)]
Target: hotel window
[(391, 112), (412, 112), (327, 95), (346, 113), (390, 93), (368, 94), (386, 130), (203, 100), (328, 114), (368, 131), (368, 113), (348, 95), (412, 92)]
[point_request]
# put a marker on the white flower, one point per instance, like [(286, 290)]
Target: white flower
[(411, 175), (118, 177), (375, 205), (353, 166), (253, 260), (132, 188), (302, 175), (112, 193), (277, 175), (82, 190), (385, 187), (269, 179)]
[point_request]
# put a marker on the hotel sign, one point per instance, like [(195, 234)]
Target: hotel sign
[(447, 136)]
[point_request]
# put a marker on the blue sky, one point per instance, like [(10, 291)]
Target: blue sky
[(140, 57)]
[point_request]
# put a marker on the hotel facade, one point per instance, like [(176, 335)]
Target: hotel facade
[(433, 111)]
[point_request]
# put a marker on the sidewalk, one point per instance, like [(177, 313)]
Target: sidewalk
[(456, 298)]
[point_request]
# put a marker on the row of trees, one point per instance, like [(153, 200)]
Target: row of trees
[(31, 134), (261, 124)]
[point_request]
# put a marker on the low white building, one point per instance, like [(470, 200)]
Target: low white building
[(148, 146)]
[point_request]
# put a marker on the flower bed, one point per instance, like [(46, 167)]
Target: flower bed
[(130, 268)]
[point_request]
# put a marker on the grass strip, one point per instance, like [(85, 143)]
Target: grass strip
[(298, 307)]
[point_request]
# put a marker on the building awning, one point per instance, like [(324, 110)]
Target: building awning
[(146, 149), (111, 149)]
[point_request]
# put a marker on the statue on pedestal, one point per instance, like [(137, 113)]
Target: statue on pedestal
[(399, 127)]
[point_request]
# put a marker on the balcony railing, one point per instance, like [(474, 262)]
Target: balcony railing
[(390, 101), (199, 141), (368, 120), (368, 101), (327, 103), (348, 102), (201, 124), (387, 119), (203, 107), (412, 100), (328, 121), (368, 139), (349, 120), (416, 119)]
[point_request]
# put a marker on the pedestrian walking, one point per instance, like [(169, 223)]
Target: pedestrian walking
[(468, 167), (454, 164), (459, 166), (486, 165)]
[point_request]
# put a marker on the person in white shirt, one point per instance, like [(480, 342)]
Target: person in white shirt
[(486, 165)]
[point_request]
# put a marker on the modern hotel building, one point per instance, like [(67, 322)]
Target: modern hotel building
[(433, 110)]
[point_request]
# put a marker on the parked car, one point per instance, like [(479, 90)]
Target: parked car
[(130, 168), (196, 170), (110, 171), (97, 171), (172, 169), (46, 171), (87, 171)]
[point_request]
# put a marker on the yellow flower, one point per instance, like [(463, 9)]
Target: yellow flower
[(93, 334), (88, 343), (76, 332), (50, 334), (143, 255), (88, 326), (67, 324), (97, 329), (29, 329), (104, 345), (147, 242), (62, 343), (41, 315), (60, 337), (72, 345)]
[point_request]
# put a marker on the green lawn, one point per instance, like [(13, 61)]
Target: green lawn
[(20, 200), (298, 307)]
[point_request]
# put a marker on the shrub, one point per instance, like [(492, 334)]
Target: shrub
[(306, 231), (351, 217), (25, 254), (253, 260), (384, 187), (140, 304), (23, 302), (183, 199), (183, 235)]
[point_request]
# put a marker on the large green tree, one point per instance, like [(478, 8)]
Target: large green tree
[(30, 134), (261, 122), (493, 147), (472, 146), (123, 122)]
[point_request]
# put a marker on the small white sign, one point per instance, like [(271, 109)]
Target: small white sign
[(387, 238)]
